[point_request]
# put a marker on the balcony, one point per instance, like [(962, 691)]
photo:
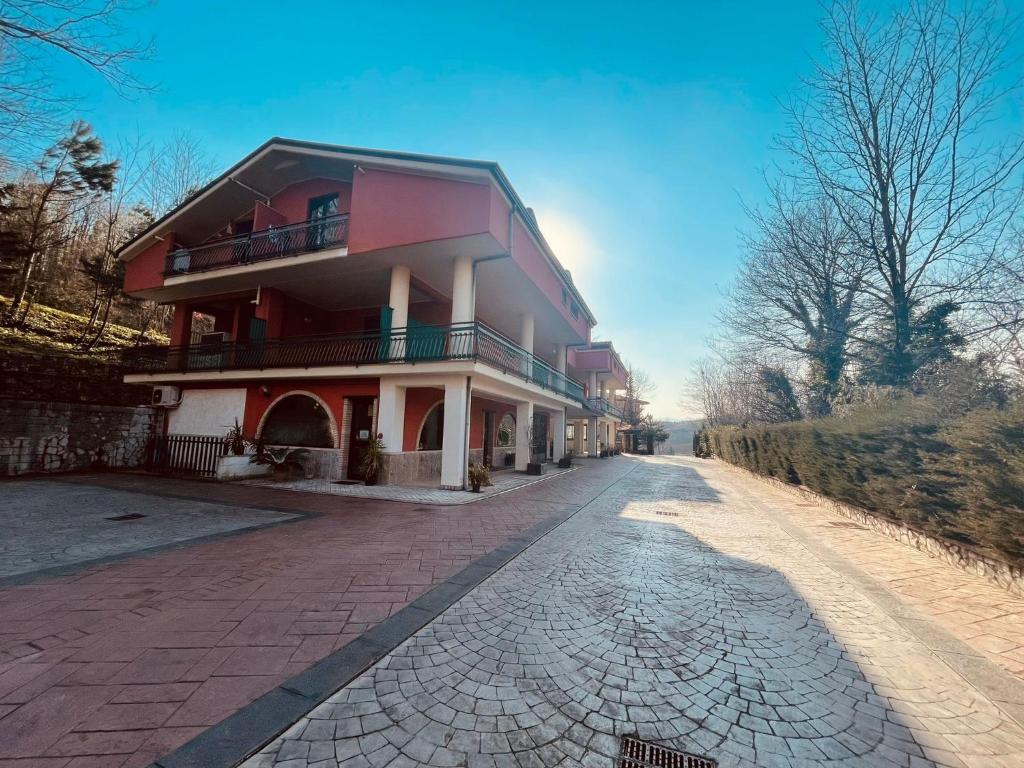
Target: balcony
[(265, 245), (603, 405), (465, 341)]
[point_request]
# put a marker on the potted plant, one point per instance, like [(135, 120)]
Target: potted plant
[(478, 475), (533, 467), (566, 461), (283, 462), (373, 459), (234, 441)]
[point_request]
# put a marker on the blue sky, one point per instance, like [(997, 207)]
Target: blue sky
[(634, 131)]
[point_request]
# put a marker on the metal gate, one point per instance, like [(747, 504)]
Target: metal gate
[(194, 455)]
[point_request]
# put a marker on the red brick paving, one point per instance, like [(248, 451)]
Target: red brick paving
[(119, 664)]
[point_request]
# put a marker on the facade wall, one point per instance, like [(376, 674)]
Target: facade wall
[(61, 437), (476, 419), (391, 209), (147, 269), (332, 392), (293, 202), (418, 401), (207, 411)]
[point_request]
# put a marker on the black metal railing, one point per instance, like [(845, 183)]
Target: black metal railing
[(185, 454), (273, 243), (604, 405), (464, 341)]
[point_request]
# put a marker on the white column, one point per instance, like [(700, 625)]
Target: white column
[(560, 356), (454, 456), (592, 385), (399, 298), (391, 415), (463, 291), (524, 422), (558, 425), (592, 437), (526, 324)]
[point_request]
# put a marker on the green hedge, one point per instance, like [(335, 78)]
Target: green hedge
[(957, 475)]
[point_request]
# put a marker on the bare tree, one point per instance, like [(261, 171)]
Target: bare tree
[(892, 128), (33, 33), (178, 169), (638, 386), (798, 291)]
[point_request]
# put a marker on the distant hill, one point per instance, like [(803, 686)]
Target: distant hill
[(681, 435)]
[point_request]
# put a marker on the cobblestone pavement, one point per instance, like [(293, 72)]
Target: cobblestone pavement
[(48, 524), (680, 606), (119, 664)]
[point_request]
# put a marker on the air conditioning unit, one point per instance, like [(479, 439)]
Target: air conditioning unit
[(166, 397), (214, 338)]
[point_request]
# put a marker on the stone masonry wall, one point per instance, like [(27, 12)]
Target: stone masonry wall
[(60, 437)]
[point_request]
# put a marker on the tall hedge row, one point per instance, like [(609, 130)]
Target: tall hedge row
[(958, 475)]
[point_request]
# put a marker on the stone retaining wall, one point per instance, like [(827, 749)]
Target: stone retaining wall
[(1009, 577), (60, 437)]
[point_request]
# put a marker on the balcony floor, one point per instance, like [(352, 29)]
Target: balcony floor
[(503, 482)]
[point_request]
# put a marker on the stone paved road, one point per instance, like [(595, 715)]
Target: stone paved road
[(119, 664), (680, 605), (47, 524)]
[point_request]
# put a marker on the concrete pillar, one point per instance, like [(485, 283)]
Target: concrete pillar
[(391, 415), (558, 426), (399, 297), (592, 437), (526, 325), (181, 324), (463, 291), (592, 385), (560, 357), (454, 453), (524, 424)]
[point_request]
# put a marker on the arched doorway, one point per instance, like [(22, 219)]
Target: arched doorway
[(431, 437), (299, 420)]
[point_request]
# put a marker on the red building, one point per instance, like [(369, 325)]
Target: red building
[(347, 292)]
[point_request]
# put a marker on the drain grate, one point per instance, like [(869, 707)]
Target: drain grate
[(130, 516), (644, 754), (668, 514)]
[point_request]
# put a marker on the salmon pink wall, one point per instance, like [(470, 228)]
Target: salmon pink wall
[(530, 259), (147, 269), (418, 400), (594, 359), (331, 392), (293, 202), (266, 217), (390, 209), (432, 312)]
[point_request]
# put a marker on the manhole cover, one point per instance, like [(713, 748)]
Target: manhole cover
[(846, 524), (122, 518), (644, 754)]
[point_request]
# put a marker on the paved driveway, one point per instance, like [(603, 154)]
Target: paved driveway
[(47, 524), (683, 605), (120, 663)]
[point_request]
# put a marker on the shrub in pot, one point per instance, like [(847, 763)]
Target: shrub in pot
[(234, 441), (478, 475), (566, 461), (373, 459)]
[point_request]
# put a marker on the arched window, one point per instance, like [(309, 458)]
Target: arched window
[(298, 420), (432, 432), (506, 437)]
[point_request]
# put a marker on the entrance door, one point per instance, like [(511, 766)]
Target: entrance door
[(539, 449), (488, 438), (362, 431)]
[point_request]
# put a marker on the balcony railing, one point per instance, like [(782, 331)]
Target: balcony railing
[(604, 405), (465, 341), (267, 244)]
